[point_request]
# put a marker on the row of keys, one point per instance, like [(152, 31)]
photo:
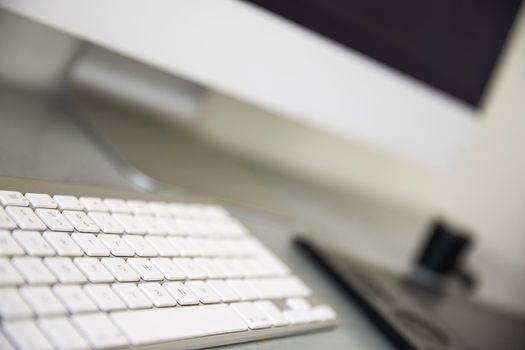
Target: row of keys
[(142, 327), (43, 301), (52, 270), (68, 220), (42, 200), (49, 243)]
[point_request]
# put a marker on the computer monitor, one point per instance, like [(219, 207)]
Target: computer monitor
[(363, 70), (448, 44)]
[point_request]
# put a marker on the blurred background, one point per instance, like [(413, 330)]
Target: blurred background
[(362, 120)]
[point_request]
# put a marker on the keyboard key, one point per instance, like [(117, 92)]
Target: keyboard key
[(242, 248), (74, 298), (233, 267), (106, 222), (116, 245), (223, 247), (236, 248), (120, 269), (234, 228), (175, 226), (81, 221), (160, 208), (62, 334), (184, 246), (42, 301), (13, 198), (168, 269), (33, 243), (90, 244), (191, 321), (162, 246), (298, 316), (62, 243), (206, 246), (8, 274), (266, 288), (205, 294), (243, 266), (252, 315), (93, 270), (33, 270), (145, 269), (226, 292), (26, 335), (93, 204), (273, 264), (275, 315), (181, 293), (188, 226), (8, 245), (158, 295), (153, 225), (105, 298), (41, 200), (181, 210), (244, 288), (293, 286), (322, 313), (54, 220), (25, 218), (270, 288), (139, 207), (99, 331), (68, 202), (130, 224), (211, 267), (193, 227), (65, 270), (117, 205), (140, 245), (132, 296), (190, 268), (6, 221), (12, 305), (255, 268), (196, 211), (252, 246), (297, 304), (178, 209)]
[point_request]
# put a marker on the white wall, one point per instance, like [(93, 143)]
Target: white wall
[(488, 191)]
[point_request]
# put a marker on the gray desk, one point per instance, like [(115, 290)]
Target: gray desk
[(39, 139)]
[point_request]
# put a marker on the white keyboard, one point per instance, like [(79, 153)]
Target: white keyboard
[(93, 273)]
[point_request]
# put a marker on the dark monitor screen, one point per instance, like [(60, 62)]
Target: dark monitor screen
[(452, 45)]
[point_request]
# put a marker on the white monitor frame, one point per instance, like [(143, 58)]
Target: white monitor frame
[(255, 56)]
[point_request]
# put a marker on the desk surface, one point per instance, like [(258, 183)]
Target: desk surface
[(39, 140)]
